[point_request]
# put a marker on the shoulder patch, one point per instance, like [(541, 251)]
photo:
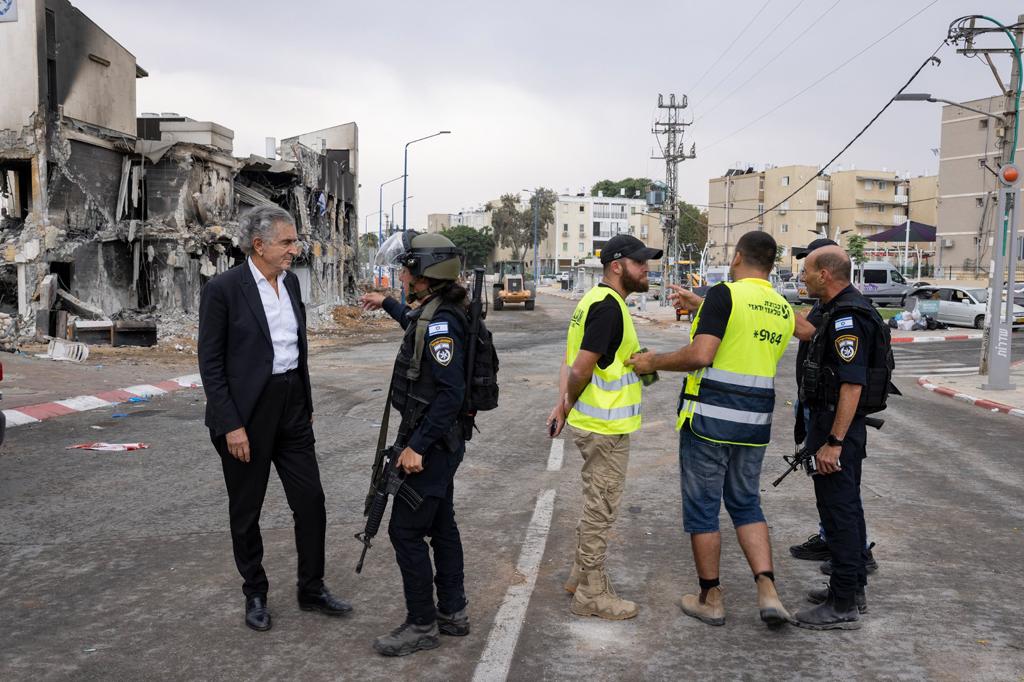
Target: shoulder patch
[(846, 347), (844, 323), (436, 328), (441, 349)]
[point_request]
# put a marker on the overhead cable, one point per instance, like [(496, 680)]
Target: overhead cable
[(729, 47)]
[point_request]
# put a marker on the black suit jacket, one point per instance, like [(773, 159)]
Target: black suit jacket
[(236, 356)]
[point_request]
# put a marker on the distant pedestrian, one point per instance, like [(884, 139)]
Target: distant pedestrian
[(259, 407), (740, 333), (599, 396)]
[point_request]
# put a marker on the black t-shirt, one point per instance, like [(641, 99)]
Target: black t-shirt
[(602, 332), (715, 311)]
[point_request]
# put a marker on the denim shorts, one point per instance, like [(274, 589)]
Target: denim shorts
[(710, 472)]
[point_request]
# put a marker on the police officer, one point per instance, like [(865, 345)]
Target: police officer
[(842, 353), (427, 388)]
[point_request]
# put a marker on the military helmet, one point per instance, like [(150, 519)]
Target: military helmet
[(424, 255)]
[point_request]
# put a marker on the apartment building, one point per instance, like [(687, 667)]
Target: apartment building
[(866, 202), (798, 218), (735, 202), (971, 147)]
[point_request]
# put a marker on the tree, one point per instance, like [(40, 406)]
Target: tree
[(855, 245), (368, 243), (692, 227), (513, 228), (635, 187), (478, 244)]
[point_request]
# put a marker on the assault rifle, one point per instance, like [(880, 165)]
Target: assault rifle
[(804, 457), (385, 481)]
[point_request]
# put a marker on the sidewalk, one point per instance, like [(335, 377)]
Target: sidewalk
[(968, 389), (35, 388)]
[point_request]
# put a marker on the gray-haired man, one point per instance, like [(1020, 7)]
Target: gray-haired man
[(259, 408)]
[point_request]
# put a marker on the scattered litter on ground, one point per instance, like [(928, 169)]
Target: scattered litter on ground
[(119, 415), (98, 428), (138, 399), (108, 447)]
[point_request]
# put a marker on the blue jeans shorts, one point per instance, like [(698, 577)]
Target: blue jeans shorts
[(710, 472)]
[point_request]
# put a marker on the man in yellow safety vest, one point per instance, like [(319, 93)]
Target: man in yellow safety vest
[(725, 416), (599, 396)]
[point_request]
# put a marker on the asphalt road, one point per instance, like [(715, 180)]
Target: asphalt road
[(118, 565)]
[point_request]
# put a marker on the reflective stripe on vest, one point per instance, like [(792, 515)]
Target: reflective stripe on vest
[(610, 404), (732, 401)]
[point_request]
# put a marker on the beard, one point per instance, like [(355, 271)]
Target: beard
[(637, 285)]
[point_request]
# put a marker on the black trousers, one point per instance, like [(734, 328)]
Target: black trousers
[(841, 512), (279, 432), (434, 518)]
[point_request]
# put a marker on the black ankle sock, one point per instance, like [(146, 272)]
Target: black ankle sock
[(768, 574), (706, 585)]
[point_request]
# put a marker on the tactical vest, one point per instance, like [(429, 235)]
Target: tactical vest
[(819, 388), (412, 390), (732, 400), (610, 404)]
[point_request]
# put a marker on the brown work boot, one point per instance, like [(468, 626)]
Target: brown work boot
[(574, 578), (772, 611), (594, 597), (711, 610)]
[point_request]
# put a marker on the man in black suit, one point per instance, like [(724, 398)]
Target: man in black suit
[(259, 408)]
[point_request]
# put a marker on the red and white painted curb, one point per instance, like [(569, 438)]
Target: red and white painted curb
[(933, 339), (29, 414), (991, 405)]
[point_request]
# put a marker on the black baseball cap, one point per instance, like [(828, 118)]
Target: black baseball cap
[(627, 246), (816, 244)]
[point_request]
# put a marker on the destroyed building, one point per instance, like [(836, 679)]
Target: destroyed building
[(129, 216)]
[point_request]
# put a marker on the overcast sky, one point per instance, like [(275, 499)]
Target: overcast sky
[(554, 94)]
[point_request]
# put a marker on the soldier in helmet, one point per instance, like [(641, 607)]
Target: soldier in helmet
[(427, 389)]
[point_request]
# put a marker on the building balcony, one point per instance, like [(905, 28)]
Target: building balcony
[(610, 215), (901, 199), (821, 217), (898, 219), (822, 195)]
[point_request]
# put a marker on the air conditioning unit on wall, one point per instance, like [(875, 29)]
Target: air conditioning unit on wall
[(947, 243)]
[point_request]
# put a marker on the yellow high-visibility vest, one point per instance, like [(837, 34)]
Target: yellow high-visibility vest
[(610, 404), (732, 400)]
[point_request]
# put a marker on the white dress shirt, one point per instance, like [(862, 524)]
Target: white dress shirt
[(284, 329)]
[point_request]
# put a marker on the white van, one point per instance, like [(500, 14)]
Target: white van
[(881, 282)]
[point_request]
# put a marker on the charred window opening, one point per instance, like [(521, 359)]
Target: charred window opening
[(51, 62), (144, 283), (63, 271), (15, 191), (9, 289)]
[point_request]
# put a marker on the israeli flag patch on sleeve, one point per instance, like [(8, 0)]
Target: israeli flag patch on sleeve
[(436, 328), (844, 323)]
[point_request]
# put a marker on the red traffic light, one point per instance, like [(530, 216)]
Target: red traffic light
[(1009, 174)]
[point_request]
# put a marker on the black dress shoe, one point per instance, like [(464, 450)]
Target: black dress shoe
[(257, 616), (324, 602)]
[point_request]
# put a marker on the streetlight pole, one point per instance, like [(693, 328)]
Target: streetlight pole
[(398, 202), (405, 170), (380, 212)]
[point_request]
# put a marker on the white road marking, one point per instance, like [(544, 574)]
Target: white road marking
[(501, 643), (145, 390), (83, 402), (557, 451), (16, 418)]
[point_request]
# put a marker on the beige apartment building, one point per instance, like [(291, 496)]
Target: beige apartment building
[(971, 150)]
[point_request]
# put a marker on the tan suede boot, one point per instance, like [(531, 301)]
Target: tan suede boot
[(574, 579), (710, 611), (772, 611), (594, 597)]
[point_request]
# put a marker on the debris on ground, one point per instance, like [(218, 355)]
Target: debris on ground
[(109, 447), (71, 351)]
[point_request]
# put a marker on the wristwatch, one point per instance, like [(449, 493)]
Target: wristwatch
[(833, 441)]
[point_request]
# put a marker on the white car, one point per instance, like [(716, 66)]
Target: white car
[(789, 290), (962, 307)]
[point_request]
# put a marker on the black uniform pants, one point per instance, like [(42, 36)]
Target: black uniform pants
[(279, 432), (842, 516), (434, 518)]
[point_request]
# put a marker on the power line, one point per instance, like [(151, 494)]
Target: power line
[(768, 63), (819, 80), (821, 171), (729, 47), (753, 49)]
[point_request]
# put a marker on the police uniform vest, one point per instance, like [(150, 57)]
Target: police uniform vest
[(412, 390), (610, 404), (819, 388), (732, 400)]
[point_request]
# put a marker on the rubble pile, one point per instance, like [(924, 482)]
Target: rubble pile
[(8, 332)]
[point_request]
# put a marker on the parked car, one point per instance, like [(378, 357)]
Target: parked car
[(963, 307), (1018, 293), (789, 290), (882, 283)]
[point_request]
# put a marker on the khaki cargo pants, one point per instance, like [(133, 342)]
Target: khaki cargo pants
[(605, 459)]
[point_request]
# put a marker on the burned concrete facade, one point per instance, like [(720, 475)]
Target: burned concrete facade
[(131, 215)]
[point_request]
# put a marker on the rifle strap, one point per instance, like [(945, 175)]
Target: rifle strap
[(422, 322), (382, 438)]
